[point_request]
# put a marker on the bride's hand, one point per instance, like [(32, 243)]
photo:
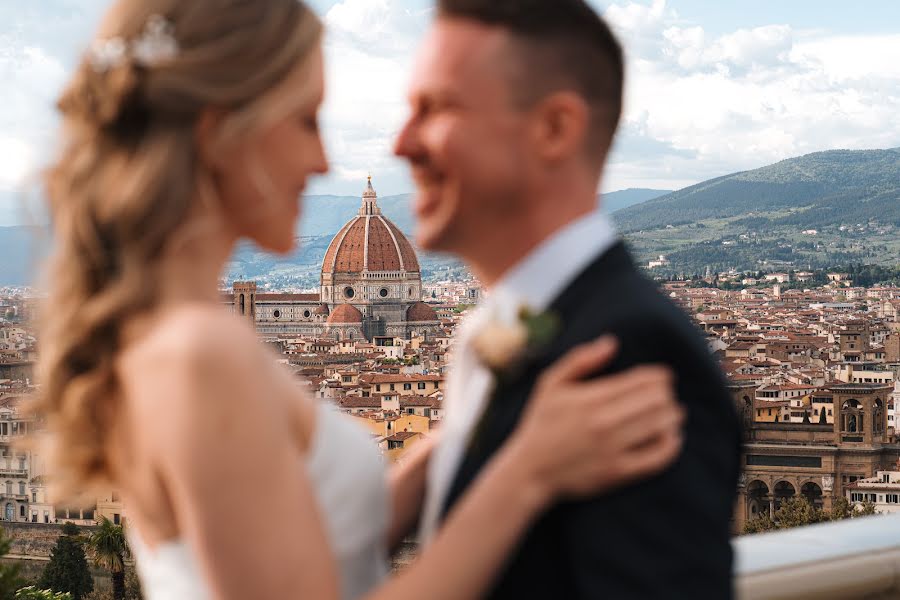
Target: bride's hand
[(581, 438)]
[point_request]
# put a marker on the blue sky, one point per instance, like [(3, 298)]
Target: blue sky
[(714, 86)]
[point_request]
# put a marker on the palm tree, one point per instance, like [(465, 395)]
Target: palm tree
[(110, 548)]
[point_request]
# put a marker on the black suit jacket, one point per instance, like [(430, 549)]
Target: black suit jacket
[(667, 537)]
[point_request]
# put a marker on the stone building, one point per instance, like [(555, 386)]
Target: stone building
[(814, 458), (371, 286)]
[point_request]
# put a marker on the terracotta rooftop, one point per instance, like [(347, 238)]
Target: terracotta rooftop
[(370, 242), (344, 314), (420, 312)]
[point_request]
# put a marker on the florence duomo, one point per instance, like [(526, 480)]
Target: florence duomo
[(371, 286)]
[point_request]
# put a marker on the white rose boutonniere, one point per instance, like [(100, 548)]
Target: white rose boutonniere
[(505, 349), (501, 347), (498, 345)]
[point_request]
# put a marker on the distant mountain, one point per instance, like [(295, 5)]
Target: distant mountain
[(835, 208), (614, 201), (743, 221), (816, 190), (325, 215), (22, 249)]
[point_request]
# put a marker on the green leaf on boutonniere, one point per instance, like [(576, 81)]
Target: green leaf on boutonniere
[(540, 330), (541, 327)]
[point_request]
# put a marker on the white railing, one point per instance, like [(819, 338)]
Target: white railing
[(859, 558)]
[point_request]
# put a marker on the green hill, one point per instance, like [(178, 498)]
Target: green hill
[(820, 210), (816, 190)]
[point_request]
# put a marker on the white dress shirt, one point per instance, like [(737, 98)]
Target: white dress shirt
[(536, 281)]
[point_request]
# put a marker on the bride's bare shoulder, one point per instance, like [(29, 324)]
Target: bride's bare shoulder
[(187, 346)]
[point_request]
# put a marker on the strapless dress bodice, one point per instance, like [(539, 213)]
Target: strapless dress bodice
[(348, 478)]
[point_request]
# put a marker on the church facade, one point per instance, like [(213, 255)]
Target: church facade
[(371, 285)]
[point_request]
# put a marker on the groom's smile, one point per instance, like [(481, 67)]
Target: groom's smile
[(464, 136)]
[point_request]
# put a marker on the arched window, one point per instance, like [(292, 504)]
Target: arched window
[(878, 416), (783, 491), (852, 417), (813, 494), (757, 498)]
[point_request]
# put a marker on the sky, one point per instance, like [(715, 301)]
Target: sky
[(713, 87)]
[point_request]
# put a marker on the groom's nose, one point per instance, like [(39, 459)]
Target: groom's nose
[(407, 144)]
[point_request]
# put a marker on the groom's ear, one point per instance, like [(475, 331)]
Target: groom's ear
[(560, 126)]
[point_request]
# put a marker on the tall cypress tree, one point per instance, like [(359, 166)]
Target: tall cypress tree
[(68, 569), (10, 581)]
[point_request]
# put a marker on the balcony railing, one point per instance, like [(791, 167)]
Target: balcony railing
[(859, 558), (13, 472)]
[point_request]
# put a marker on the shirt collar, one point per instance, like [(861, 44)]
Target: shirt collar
[(543, 274)]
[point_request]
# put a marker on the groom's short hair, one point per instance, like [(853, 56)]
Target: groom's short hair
[(563, 44)]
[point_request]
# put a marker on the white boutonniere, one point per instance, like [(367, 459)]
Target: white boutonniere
[(505, 348), (502, 347)]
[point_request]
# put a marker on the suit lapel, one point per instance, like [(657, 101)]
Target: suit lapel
[(508, 399), (606, 268)]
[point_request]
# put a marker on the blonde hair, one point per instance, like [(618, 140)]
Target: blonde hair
[(126, 179)]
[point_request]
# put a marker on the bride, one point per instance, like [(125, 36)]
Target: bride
[(189, 126)]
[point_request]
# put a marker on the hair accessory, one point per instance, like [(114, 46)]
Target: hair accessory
[(155, 45)]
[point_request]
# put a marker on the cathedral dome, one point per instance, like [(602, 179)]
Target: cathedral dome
[(345, 314), (370, 243), (420, 312)]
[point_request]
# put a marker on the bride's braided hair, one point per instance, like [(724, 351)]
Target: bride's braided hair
[(124, 182)]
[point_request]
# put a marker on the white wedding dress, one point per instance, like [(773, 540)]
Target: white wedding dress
[(348, 478)]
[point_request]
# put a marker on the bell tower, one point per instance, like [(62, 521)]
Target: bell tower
[(861, 415), (244, 293)]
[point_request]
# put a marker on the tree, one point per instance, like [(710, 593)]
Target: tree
[(68, 569), (10, 580), (865, 509), (796, 512), (132, 586), (840, 509), (109, 547), (759, 524)]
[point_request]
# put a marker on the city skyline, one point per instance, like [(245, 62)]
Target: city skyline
[(710, 93)]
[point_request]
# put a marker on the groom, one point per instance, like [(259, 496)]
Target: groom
[(515, 104)]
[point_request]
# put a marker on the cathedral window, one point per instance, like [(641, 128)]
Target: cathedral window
[(383, 293), (348, 292)]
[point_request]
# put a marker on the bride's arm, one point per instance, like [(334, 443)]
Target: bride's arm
[(231, 467), (590, 451), (407, 488)]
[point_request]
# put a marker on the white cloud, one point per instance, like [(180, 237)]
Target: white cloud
[(16, 158), (369, 51), (38, 44), (718, 104), (31, 79), (699, 104)]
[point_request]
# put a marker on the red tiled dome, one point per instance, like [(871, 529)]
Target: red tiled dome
[(322, 309), (370, 242), (419, 312), (345, 314)]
